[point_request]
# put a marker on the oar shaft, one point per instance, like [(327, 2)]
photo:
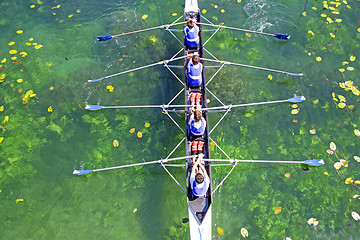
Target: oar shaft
[(138, 68), (249, 66), (252, 161), (234, 28), (144, 163), (149, 106), (244, 105), (148, 29)]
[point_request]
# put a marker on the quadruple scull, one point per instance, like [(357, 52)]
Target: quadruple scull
[(199, 207)]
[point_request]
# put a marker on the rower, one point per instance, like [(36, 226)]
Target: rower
[(194, 68), (199, 179), (197, 122), (191, 34)]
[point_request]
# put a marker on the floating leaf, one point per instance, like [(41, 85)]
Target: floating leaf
[(12, 51), (294, 105), (110, 88), (51, 88), (19, 200), (1, 139), (304, 14), (32, 6), (3, 61), (2, 76), (318, 59), (295, 111), (139, 134), (312, 131), (323, 15), (50, 109), (278, 210), (345, 62), (6, 119), (342, 105), (11, 43), (342, 98), (314, 8), (23, 54), (350, 68), (135, 210), (329, 20), (326, 173), (338, 20), (352, 58), (239, 1), (357, 158), (19, 80), (19, 31), (311, 221), (329, 151), (38, 46), (356, 196), (333, 146), (244, 232), (337, 165), (13, 58), (144, 16), (204, 11), (132, 130), (288, 175), (207, 100), (316, 223), (216, 6), (270, 77), (71, 15), (1, 108), (115, 143), (78, 10), (332, 35), (348, 181), (220, 231), (248, 34), (344, 163), (355, 215), (147, 124), (174, 14), (222, 10)]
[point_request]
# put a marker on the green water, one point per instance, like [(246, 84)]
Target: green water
[(40, 149)]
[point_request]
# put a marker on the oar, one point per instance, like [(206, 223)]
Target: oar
[(105, 38), (313, 163), (83, 172), (98, 107), (139, 68), (297, 99), (279, 36), (249, 66)]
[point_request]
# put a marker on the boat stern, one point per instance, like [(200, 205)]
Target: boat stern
[(200, 231)]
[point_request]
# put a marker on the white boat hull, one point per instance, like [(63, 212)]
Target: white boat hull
[(200, 231)]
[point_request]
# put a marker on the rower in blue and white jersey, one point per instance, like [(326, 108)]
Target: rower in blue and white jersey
[(194, 71), (197, 122), (199, 179), (191, 34)]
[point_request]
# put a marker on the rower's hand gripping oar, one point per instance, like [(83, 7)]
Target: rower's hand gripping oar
[(278, 36), (297, 99), (255, 67), (313, 162), (105, 38), (83, 172)]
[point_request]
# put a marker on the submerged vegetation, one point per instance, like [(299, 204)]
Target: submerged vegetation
[(48, 52)]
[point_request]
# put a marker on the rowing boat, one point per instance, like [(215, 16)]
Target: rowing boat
[(199, 207)]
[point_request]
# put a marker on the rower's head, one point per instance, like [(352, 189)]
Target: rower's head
[(197, 115), (199, 178), (190, 23), (195, 59)]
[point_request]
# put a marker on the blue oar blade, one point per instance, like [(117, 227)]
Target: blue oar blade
[(315, 162), (82, 172), (103, 38), (297, 99), (282, 36), (96, 80), (93, 107)]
